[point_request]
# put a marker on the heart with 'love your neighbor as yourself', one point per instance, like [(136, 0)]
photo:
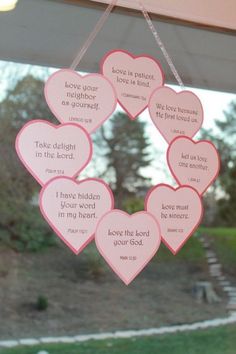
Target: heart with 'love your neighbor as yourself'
[(87, 100)]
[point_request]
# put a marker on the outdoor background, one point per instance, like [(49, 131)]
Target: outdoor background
[(45, 290)]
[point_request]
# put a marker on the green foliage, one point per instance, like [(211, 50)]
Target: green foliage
[(41, 303), (191, 253), (21, 225), (225, 142), (25, 230), (132, 205), (125, 148), (94, 263), (224, 244), (221, 340), (25, 102), (90, 265)]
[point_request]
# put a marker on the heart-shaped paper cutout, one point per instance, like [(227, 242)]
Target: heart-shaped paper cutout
[(127, 242), (175, 114), (179, 212), (48, 150), (134, 78), (73, 209), (85, 100), (196, 164)]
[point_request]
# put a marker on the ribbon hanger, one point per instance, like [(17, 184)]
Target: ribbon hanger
[(161, 45), (156, 36), (93, 34)]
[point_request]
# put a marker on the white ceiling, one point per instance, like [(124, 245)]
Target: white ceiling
[(49, 33), (212, 12)]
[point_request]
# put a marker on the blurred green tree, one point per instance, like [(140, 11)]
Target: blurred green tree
[(225, 141), (21, 225), (125, 147)]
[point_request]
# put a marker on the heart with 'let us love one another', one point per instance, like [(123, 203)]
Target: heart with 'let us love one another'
[(73, 208), (127, 242), (193, 163), (178, 210)]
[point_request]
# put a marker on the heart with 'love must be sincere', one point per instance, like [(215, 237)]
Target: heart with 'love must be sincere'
[(178, 210)]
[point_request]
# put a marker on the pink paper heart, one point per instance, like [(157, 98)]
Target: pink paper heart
[(134, 78), (127, 242), (175, 114), (86, 100), (47, 150), (73, 209), (179, 212), (196, 164)]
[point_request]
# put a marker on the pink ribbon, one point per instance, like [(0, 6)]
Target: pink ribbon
[(101, 23), (161, 45), (93, 34)]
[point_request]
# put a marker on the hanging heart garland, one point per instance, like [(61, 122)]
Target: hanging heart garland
[(80, 210)]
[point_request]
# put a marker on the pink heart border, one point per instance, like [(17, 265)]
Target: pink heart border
[(176, 189), (127, 282), (177, 93), (54, 228), (55, 127), (82, 77), (195, 143), (133, 57)]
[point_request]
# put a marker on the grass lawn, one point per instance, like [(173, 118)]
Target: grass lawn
[(220, 340), (192, 252), (224, 244)]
